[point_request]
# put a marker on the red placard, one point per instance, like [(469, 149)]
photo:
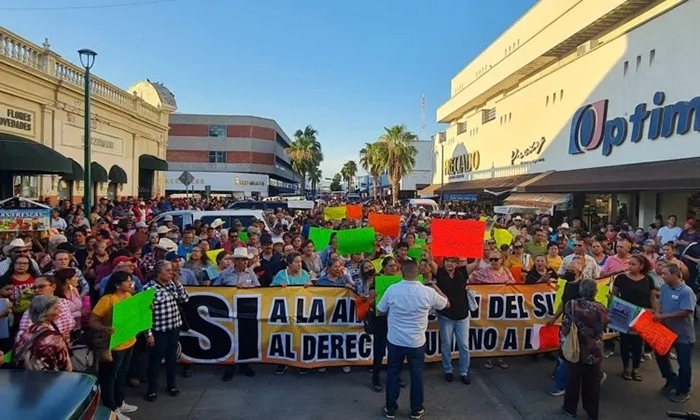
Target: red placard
[(386, 224), (353, 212), (549, 337), (654, 333), (457, 238)]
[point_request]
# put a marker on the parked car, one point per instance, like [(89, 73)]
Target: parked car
[(33, 394), (183, 218)]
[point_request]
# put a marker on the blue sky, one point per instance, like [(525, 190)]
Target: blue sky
[(347, 68)]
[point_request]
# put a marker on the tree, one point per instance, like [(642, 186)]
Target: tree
[(396, 154), (315, 177), (335, 184), (348, 173), (305, 153), (370, 162)]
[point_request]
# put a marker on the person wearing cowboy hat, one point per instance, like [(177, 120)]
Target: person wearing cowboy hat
[(163, 246), (217, 224), (242, 277), (16, 247)]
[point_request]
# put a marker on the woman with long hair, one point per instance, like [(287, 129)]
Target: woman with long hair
[(636, 287), (67, 288), (112, 373), (40, 346), (198, 263)]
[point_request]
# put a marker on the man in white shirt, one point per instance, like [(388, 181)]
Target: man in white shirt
[(408, 304), (670, 232)]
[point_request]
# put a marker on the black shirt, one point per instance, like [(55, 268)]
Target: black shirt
[(455, 288), (636, 292), (533, 276)]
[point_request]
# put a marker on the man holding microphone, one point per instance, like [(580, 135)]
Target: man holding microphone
[(407, 305)]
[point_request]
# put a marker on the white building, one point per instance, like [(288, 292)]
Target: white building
[(591, 102)]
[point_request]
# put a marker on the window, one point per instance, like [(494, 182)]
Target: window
[(488, 115), (652, 56), (546, 102), (625, 68), (561, 95), (217, 157), (281, 141), (639, 62), (217, 131), (461, 128), (554, 97)]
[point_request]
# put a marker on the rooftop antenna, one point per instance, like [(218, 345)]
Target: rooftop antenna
[(422, 111)]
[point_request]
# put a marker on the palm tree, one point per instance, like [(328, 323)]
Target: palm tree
[(348, 172), (396, 154), (315, 177), (305, 153), (370, 162)]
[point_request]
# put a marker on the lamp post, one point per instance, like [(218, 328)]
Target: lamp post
[(87, 59), (442, 173)]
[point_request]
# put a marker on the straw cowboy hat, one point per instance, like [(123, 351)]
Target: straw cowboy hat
[(166, 245), (16, 244), (162, 230), (217, 223), (241, 252)]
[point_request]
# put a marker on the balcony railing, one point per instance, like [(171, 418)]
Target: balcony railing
[(42, 59)]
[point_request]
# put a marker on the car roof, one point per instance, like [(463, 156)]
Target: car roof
[(198, 213), (31, 394)]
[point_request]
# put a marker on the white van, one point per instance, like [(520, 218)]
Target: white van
[(426, 203), (182, 218)]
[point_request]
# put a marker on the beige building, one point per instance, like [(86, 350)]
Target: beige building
[(41, 128)]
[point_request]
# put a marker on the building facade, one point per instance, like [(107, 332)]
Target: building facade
[(41, 128), (239, 155), (582, 103)]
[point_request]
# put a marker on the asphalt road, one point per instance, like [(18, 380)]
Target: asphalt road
[(513, 394)]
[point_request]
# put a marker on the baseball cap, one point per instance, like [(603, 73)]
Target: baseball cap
[(172, 256), (119, 260)]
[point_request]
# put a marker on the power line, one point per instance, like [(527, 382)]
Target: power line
[(86, 7)]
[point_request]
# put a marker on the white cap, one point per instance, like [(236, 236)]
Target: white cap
[(564, 226), (140, 225)]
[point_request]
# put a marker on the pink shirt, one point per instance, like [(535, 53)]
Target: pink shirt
[(614, 264), (74, 303), (488, 275)]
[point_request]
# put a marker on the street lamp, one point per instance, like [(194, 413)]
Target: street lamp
[(87, 59), (442, 172)]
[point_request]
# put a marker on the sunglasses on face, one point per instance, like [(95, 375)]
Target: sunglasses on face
[(517, 246), (578, 245), (494, 259)]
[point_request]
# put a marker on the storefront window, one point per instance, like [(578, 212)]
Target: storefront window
[(112, 191), (27, 186), (64, 190), (597, 211)]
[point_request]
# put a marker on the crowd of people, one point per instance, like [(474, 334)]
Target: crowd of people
[(60, 290)]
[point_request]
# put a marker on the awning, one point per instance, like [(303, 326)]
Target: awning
[(117, 175), (152, 163), (98, 173), (78, 172), (679, 174), (492, 185), (22, 156), (538, 201), (429, 191)]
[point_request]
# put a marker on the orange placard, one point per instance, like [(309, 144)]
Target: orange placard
[(362, 306), (457, 238), (654, 333), (353, 212), (386, 224)]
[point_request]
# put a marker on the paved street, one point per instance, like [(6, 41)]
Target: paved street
[(513, 394)]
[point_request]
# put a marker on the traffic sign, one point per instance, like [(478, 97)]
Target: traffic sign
[(186, 178)]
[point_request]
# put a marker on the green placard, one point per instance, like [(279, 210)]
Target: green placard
[(420, 241), (132, 316), (415, 253), (382, 283), (243, 236), (321, 237), (355, 241)]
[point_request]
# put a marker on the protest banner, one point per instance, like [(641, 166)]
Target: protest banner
[(132, 316), (334, 213), (385, 224), (321, 237), (317, 326), (353, 212), (355, 241), (457, 238), (653, 332)]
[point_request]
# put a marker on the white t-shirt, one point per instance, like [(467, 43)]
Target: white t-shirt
[(669, 234), (408, 304)]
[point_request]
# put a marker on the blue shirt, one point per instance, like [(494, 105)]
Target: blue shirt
[(184, 250), (680, 298), (137, 284), (341, 282), (284, 278)]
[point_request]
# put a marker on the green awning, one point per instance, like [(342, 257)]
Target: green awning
[(117, 175), (98, 173), (22, 156), (78, 172), (152, 163)]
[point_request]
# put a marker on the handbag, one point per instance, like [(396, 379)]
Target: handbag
[(369, 322), (571, 349)]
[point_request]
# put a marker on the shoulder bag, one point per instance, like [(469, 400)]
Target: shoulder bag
[(571, 350)]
